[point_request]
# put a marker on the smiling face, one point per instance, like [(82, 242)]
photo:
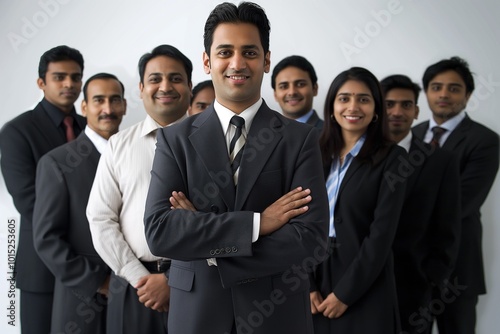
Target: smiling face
[(237, 64), (166, 90), (401, 110), (354, 108), (447, 95), (294, 92), (62, 84), (105, 106)]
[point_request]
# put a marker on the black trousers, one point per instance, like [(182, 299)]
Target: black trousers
[(36, 312)]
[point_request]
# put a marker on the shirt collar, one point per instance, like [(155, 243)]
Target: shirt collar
[(357, 147), (98, 141), (56, 114), (450, 124), (406, 141), (225, 114), (150, 125), (305, 118)]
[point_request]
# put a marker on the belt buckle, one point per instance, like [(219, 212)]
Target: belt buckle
[(158, 265)]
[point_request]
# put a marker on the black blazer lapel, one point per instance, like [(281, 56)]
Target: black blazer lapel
[(256, 153), (209, 143), (355, 165), (85, 146), (419, 130), (46, 128), (459, 134)]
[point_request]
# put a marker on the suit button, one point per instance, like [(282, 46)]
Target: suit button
[(234, 249), (338, 220), (214, 208), (212, 252), (228, 250)]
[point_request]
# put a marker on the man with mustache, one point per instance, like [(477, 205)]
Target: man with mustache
[(448, 85), (23, 141), (138, 290), (60, 227)]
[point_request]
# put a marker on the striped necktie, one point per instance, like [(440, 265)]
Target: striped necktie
[(236, 146), (437, 134)]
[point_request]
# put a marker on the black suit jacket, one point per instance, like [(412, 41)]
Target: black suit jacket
[(477, 149), (315, 121), (23, 141), (360, 270), (62, 236), (426, 242), (267, 276)]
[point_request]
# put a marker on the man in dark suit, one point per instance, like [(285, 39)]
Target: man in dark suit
[(448, 85), (426, 242), (239, 264), (23, 141), (295, 85), (60, 228)]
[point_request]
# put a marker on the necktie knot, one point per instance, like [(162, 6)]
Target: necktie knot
[(68, 124), (237, 121), (437, 132)]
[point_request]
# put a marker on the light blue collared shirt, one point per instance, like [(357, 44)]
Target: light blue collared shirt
[(449, 125), (334, 180), (305, 118)]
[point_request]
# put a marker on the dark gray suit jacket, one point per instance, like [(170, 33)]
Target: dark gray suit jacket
[(477, 149), (259, 286), (62, 236), (23, 141)]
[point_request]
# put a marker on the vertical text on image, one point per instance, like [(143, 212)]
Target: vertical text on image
[(11, 273)]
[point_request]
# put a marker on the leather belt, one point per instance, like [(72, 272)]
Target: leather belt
[(158, 266)]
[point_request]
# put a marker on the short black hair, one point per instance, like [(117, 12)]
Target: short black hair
[(199, 87), (456, 64), (168, 51), (400, 81), (294, 61), (58, 53), (246, 12), (101, 75)]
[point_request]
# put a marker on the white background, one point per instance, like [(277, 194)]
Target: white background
[(386, 37)]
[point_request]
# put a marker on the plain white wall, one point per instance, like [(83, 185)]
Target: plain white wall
[(387, 37)]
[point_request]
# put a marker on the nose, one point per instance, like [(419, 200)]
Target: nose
[(106, 107), (396, 110), (443, 93), (165, 85), (238, 62), (354, 105), (68, 81)]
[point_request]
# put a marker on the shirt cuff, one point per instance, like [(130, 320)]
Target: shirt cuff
[(256, 227), (133, 272)]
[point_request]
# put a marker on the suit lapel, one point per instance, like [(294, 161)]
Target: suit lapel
[(208, 141), (83, 141), (257, 151), (44, 125), (458, 134), (420, 130), (355, 165)]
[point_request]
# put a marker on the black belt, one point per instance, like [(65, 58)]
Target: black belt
[(158, 266)]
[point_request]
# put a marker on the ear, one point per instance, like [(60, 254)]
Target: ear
[(417, 110), (141, 88), (206, 63), (84, 108), (315, 89), (41, 83), (467, 96), (267, 62), (125, 106)]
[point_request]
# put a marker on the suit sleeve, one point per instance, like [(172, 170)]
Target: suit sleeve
[(445, 225), (169, 232), (50, 227), (479, 172), (376, 247), (19, 169)]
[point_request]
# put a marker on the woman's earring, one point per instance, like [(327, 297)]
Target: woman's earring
[(375, 119)]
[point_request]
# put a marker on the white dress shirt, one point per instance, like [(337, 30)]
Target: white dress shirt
[(406, 142), (248, 114), (115, 210), (99, 142)]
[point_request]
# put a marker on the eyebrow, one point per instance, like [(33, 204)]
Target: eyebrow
[(231, 46), (354, 94), (450, 84)]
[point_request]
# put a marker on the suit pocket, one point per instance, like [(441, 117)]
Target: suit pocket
[(181, 278)]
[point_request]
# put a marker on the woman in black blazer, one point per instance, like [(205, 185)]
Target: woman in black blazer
[(353, 290)]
